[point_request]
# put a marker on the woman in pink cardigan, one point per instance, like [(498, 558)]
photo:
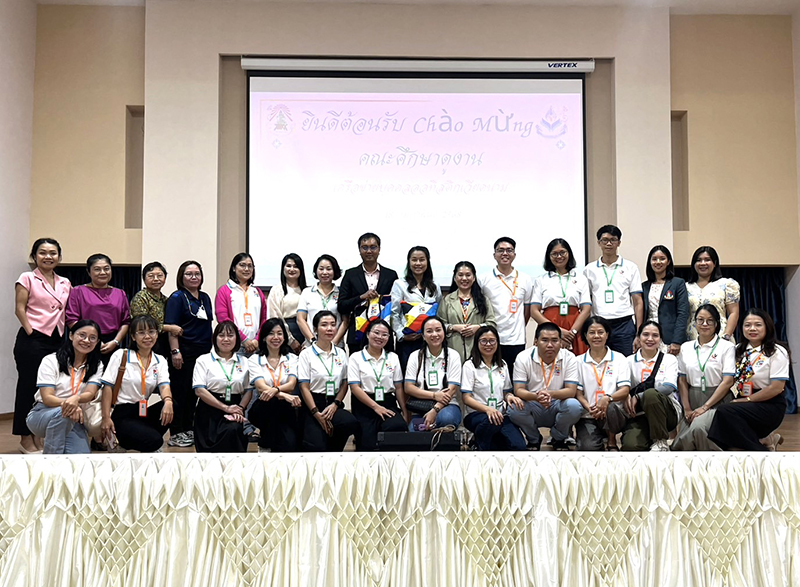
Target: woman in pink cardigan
[(242, 303)]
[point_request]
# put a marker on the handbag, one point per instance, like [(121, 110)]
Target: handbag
[(616, 416), (419, 406)]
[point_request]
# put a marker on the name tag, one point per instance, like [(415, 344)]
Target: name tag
[(248, 319), (492, 402), (433, 378), (609, 296), (747, 389), (563, 309), (143, 408), (513, 305), (227, 394), (201, 313), (330, 388), (379, 393), (646, 373), (600, 393)]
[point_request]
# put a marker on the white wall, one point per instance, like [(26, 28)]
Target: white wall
[(17, 58), (182, 69), (793, 274)]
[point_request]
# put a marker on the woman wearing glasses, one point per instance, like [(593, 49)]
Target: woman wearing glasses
[(562, 295), (191, 309), (151, 302), (706, 368), (242, 303)]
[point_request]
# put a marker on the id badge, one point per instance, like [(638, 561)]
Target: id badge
[(563, 309), (747, 389), (248, 319), (201, 313), (703, 384), (433, 378), (600, 393), (330, 388), (646, 373), (513, 305), (609, 296), (379, 393), (143, 408), (227, 394), (492, 402)]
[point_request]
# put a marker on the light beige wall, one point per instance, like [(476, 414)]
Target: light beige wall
[(89, 67), (17, 58), (734, 77), (185, 39)]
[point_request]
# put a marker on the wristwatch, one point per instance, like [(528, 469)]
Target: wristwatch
[(339, 403), (574, 332)]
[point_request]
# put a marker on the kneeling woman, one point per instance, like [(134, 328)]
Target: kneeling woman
[(322, 374), (273, 375), (222, 382), (762, 370), (67, 379), (485, 382), (376, 382), (706, 367), (433, 376), (137, 425)]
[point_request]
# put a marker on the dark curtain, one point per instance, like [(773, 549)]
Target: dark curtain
[(765, 288)]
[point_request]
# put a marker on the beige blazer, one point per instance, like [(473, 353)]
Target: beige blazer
[(450, 312)]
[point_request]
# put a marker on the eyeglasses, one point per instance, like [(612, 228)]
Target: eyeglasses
[(487, 341), (705, 321), (245, 265), (508, 251), (150, 333), (608, 241), (154, 276), (370, 248), (193, 275), (84, 336), (559, 254)]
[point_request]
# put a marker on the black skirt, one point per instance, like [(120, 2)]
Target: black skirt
[(214, 433)]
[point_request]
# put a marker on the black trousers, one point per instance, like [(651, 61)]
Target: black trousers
[(622, 335), (742, 424), (509, 353), (371, 423), (180, 382), (279, 424), (137, 433), (28, 354), (315, 439)]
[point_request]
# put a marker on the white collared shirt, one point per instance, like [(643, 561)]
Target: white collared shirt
[(613, 372), (548, 290), (418, 374), (718, 364), (363, 367), (499, 289), (372, 278), (130, 391), (316, 367), (666, 377), (208, 373), (313, 301), (528, 370), (477, 381), (625, 281), (402, 292), (50, 376), (245, 303), (767, 369), (260, 368)]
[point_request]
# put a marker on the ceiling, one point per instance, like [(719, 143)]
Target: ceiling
[(675, 6)]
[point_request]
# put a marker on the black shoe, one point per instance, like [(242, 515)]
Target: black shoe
[(560, 445), (535, 446), (97, 447)]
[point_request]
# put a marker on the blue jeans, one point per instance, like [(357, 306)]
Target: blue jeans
[(489, 436), (560, 417), (61, 435), (450, 415)]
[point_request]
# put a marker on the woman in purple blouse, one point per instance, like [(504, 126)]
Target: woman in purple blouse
[(106, 305)]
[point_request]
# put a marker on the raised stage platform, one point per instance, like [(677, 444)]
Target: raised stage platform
[(352, 520)]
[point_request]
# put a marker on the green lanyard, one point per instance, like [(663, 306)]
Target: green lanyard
[(565, 284), (229, 378), (328, 371), (378, 376), (491, 383), (608, 281), (325, 300), (703, 365)]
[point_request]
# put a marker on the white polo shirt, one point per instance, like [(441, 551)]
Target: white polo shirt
[(499, 290), (612, 372), (528, 370), (551, 289), (484, 382), (418, 374), (246, 303), (312, 301), (49, 376), (622, 278), (666, 377), (767, 369), (719, 361), (365, 370), (260, 368), (210, 372), (316, 367), (130, 390)]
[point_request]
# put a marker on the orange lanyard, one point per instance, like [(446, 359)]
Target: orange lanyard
[(72, 385), (752, 363), (277, 381), (143, 369), (246, 306), (503, 281), (547, 379), (601, 377)]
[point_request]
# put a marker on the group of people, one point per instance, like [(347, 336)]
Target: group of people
[(611, 355)]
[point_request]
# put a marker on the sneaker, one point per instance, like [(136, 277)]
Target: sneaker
[(160, 449), (569, 441), (560, 445), (190, 435), (181, 439), (535, 446), (660, 446)]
